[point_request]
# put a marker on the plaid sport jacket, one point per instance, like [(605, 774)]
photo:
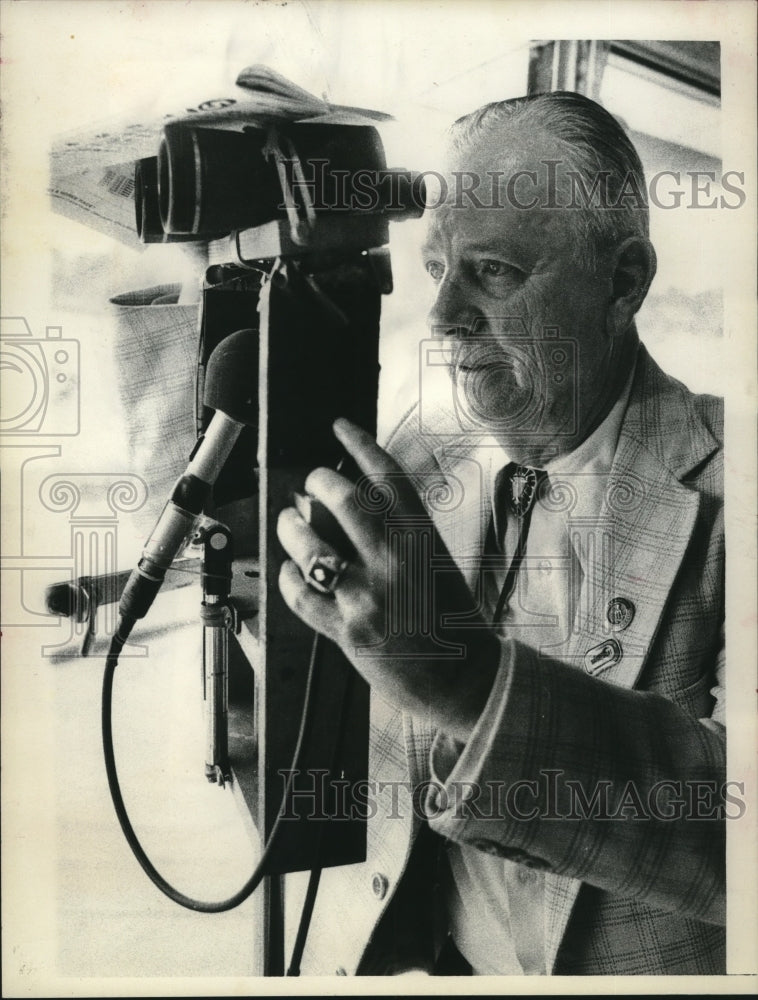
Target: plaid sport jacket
[(630, 706)]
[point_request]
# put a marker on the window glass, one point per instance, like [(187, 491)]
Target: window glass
[(676, 128)]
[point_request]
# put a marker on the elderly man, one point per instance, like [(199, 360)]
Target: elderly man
[(556, 689)]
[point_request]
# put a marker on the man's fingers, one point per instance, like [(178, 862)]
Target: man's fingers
[(385, 483), (361, 507), (342, 500), (300, 540), (316, 610), (371, 459)]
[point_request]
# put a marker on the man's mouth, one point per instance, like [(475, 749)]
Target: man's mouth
[(484, 362)]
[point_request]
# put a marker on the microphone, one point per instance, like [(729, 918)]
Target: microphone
[(231, 390)]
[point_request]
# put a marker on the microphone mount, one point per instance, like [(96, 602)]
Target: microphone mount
[(219, 616)]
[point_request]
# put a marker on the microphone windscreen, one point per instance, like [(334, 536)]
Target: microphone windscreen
[(64, 599), (231, 377)]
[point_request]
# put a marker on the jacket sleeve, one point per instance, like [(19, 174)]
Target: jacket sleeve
[(619, 788)]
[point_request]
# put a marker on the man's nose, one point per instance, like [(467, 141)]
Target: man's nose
[(450, 315)]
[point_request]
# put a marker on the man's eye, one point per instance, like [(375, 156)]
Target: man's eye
[(435, 269), (495, 268)]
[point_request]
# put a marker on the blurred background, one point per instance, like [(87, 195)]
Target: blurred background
[(77, 904)]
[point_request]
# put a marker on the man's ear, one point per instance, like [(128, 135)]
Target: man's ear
[(633, 269)]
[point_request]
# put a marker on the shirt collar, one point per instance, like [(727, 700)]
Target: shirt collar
[(595, 453)]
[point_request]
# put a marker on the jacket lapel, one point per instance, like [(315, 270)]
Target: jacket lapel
[(633, 552), (634, 549)]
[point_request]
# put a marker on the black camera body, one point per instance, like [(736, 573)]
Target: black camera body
[(295, 216)]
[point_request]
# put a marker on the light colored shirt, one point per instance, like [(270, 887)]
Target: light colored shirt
[(496, 907)]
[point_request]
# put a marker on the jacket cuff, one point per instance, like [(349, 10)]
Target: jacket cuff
[(456, 766), (465, 801)]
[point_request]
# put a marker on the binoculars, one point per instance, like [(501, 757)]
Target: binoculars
[(208, 182)]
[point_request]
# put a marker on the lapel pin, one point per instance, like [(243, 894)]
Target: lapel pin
[(620, 613), (602, 656)]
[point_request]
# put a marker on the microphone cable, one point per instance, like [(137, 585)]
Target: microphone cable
[(125, 626), (201, 906)]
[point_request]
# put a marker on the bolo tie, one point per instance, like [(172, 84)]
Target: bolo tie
[(516, 490)]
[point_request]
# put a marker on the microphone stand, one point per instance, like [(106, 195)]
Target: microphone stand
[(219, 617)]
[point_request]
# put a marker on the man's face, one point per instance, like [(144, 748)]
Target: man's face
[(508, 280)]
